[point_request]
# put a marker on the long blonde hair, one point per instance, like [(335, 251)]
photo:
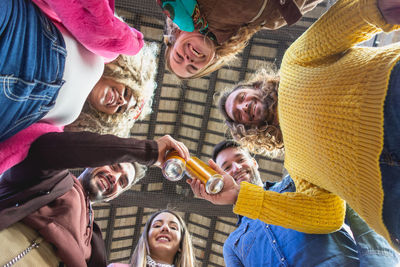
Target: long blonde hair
[(224, 53), (183, 258)]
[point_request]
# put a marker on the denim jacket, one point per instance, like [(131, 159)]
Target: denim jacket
[(255, 243)]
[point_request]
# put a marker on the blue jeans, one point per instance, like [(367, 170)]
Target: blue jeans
[(32, 59), (390, 157), (372, 249)]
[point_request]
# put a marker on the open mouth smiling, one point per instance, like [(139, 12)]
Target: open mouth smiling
[(195, 52), (163, 238), (104, 181), (240, 176), (111, 97)]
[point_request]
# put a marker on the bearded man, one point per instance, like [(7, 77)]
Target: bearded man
[(46, 212)]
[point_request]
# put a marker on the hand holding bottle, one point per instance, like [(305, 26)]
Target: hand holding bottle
[(175, 167)]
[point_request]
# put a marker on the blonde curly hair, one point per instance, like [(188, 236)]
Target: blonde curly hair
[(224, 53), (136, 73), (266, 139)]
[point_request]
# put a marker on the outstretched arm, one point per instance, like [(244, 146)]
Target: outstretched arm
[(55, 151), (344, 25), (310, 209)]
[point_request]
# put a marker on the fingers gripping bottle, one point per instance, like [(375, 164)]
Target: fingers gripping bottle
[(175, 167)]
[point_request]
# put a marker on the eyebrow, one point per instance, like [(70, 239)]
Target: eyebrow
[(223, 164), (174, 58), (237, 154), (188, 69), (187, 66), (170, 222), (123, 174)]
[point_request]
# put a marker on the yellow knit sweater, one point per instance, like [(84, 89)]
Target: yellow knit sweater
[(331, 98)]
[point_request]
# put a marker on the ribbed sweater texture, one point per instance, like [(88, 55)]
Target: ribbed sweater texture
[(330, 107)]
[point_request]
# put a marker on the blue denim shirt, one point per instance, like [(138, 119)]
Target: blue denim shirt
[(255, 243)]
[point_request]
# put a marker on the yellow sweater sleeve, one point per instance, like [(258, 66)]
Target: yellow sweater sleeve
[(345, 24), (310, 209)]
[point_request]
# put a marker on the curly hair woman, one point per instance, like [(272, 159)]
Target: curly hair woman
[(201, 36), (123, 95), (50, 62), (133, 75)]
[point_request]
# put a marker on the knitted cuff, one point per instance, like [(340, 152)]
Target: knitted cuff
[(249, 201)]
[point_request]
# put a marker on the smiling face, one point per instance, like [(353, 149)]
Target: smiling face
[(191, 52), (107, 182), (164, 237), (239, 165), (110, 96), (246, 106)]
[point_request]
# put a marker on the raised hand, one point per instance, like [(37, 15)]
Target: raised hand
[(166, 143), (229, 193)]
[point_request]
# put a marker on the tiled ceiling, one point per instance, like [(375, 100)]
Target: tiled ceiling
[(186, 110)]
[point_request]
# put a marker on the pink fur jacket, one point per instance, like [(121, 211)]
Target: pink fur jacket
[(15, 149), (93, 24)]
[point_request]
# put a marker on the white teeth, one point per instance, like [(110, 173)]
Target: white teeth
[(105, 184), (112, 98), (197, 54), (163, 238)]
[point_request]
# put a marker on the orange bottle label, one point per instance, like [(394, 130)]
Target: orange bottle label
[(173, 154), (201, 168), (195, 167), (193, 173)]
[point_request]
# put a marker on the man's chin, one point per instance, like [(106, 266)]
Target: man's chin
[(103, 196), (96, 196), (95, 193)]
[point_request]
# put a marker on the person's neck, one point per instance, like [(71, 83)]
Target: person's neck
[(163, 259)]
